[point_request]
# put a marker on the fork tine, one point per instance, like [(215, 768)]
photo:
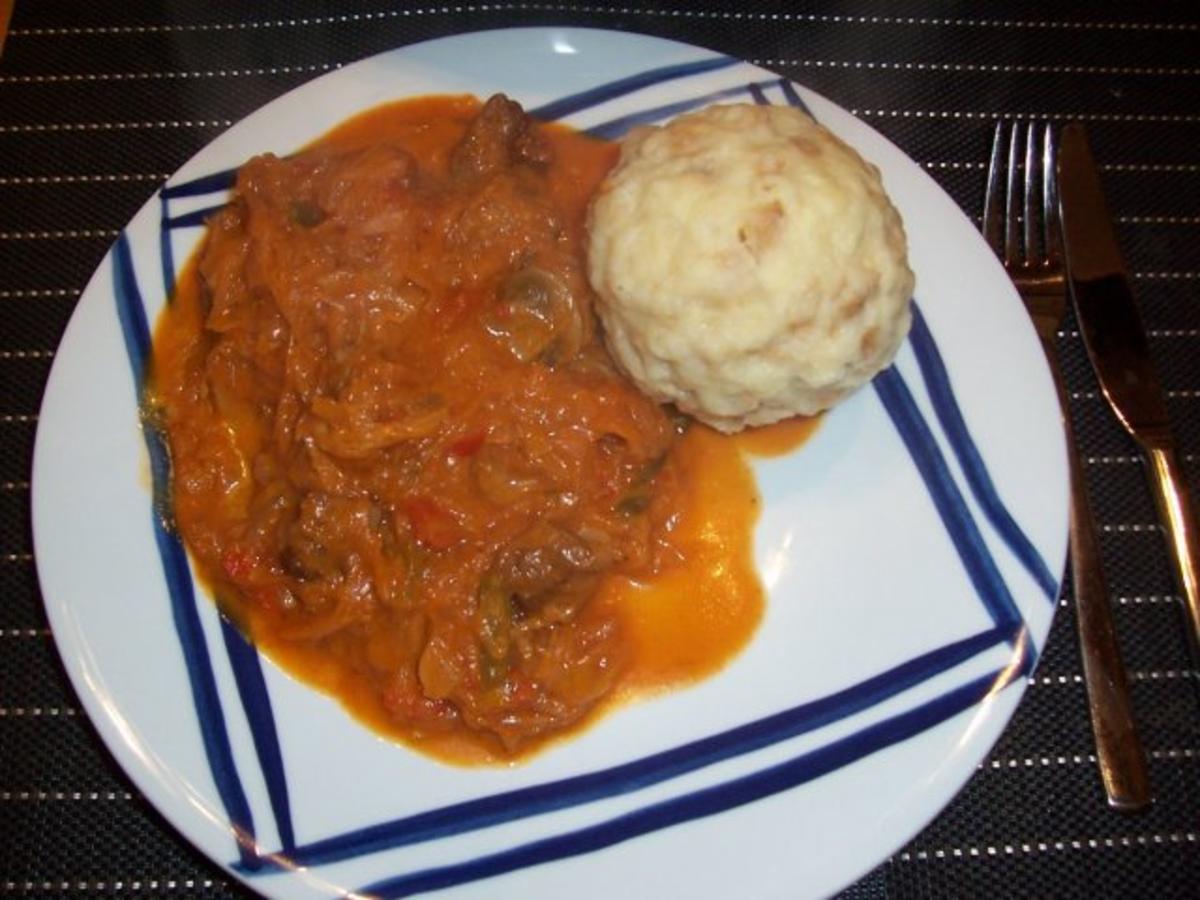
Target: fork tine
[(1011, 250), (1051, 224), (1031, 217), (992, 222)]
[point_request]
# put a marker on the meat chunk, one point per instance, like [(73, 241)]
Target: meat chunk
[(500, 136), (542, 560)]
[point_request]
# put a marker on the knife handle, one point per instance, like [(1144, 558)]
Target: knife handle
[(1118, 749), (1175, 508), (1119, 753)]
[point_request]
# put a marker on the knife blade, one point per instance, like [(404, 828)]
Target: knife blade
[(1108, 317), (1116, 345)]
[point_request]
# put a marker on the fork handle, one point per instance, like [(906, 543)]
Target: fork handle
[(1119, 752), (1176, 510)]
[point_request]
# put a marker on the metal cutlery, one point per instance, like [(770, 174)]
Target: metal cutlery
[(1033, 258), (1116, 344)]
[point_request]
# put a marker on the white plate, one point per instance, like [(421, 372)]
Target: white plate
[(911, 551)]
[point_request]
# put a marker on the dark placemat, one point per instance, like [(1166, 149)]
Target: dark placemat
[(100, 102)]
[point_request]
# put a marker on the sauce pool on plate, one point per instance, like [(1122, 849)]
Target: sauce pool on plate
[(403, 461)]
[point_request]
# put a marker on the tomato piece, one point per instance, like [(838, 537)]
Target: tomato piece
[(432, 523), (469, 443)]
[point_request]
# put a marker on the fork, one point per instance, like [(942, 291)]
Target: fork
[(1032, 256)]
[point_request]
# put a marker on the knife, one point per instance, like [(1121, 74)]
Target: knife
[(1116, 344)]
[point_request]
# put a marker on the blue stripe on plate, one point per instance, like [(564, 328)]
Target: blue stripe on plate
[(205, 184), (616, 128), (243, 657), (757, 95), (792, 95), (256, 702), (166, 252), (131, 313), (191, 219), (640, 773), (711, 800), (574, 103), (947, 499), (941, 394)]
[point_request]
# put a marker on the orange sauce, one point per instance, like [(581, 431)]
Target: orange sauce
[(681, 620), (690, 620), (778, 439)]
